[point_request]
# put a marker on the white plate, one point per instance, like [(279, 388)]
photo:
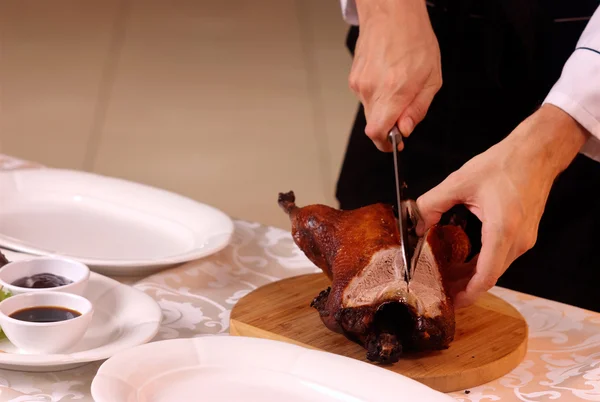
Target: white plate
[(114, 226), (124, 317), (228, 368)]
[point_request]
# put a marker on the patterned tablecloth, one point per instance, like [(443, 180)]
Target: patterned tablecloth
[(563, 360)]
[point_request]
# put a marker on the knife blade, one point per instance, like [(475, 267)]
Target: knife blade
[(415, 243), (395, 138)]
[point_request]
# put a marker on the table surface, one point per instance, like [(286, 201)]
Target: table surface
[(563, 358)]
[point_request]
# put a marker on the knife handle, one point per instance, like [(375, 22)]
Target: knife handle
[(395, 137)]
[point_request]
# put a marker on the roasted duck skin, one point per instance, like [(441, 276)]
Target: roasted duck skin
[(369, 301)]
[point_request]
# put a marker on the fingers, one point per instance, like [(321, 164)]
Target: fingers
[(440, 199), (456, 289), (416, 111), (491, 264), (406, 125), (382, 117), (406, 106), (411, 109)]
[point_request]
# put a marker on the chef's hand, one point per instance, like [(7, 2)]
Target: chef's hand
[(396, 69), (506, 187)]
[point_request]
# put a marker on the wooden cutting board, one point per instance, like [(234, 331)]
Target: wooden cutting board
[(490, 339)]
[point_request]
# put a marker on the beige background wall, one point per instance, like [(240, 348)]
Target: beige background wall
[(224, 101)]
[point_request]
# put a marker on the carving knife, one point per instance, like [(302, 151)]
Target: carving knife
[(395, 138)]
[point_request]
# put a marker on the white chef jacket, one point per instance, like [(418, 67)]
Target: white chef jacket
[(577, 91)]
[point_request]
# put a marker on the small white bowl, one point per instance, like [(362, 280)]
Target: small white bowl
[(45, 337), (73, 270)]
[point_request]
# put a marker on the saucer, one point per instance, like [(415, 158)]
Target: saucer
[(124, 317)]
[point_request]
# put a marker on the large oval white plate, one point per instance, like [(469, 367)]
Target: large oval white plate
[(124, 317), (115, 226), (228, 368)]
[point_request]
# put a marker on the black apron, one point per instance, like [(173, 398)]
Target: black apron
[(499, 60)]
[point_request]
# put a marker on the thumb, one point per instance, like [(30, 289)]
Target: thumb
[(382, 117), (438, 200), (416, 110)]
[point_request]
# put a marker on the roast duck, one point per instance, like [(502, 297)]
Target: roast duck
[(369, 300)]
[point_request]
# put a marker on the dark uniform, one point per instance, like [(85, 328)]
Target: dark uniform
[(500, 59)]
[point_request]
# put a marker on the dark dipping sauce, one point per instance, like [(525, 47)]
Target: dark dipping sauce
[(45, 314), (44, 280)]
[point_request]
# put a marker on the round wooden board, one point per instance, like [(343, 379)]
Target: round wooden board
[(490, 339)]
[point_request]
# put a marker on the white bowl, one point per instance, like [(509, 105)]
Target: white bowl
[(75, 271), (45, 337)]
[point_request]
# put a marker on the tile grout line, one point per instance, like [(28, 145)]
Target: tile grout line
[(107, 81), (316, 99)]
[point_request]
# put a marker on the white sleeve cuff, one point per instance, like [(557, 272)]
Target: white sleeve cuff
[(349, 11), (577, 92)]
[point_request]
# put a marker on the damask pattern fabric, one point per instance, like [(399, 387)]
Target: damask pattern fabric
[(562, 362)]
